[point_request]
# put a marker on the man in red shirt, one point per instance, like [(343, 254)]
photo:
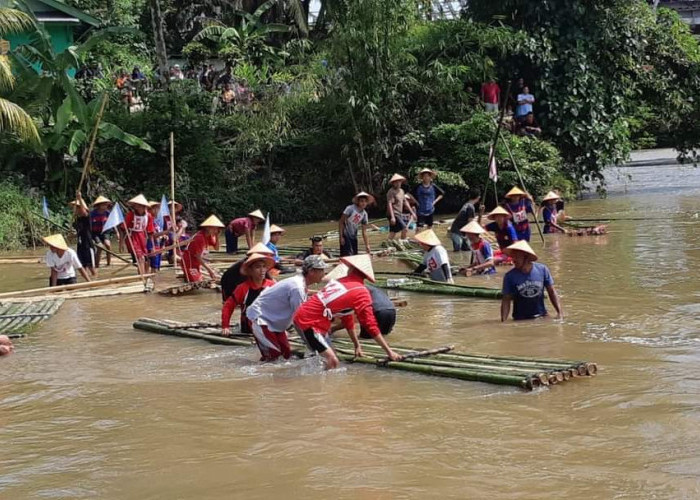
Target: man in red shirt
[(192, 260), (342, 298), (490, 95)]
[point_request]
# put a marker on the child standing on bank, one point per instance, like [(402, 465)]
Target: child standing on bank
[(354, 217)]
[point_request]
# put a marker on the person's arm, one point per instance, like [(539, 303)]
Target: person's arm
[(341, 228), (392, 215), (364, 238), (226, 313), (54, 277), (556, 303), (557, 226), (84, 273), (440, 194), (355, 342), (420, 269), (365, 315), (485, 265), (505, 307), (249, 237), (447, 272)]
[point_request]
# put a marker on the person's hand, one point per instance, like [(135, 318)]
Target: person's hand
[(468, 272), (393, 221), (393, 356), (369, 250), (214, 275), (358, 352), (342, 240), (226, 332), (450, 281)]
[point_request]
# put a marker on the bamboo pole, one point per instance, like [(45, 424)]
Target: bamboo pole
[(173, 216), (420, 354), (114, 254), (76, 286), (92, 143), (154, 327)]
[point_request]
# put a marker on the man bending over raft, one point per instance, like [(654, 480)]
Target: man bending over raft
[(524, 285), (271, 313), (340, 299)]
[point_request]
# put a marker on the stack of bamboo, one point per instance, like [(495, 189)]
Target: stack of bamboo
[(526, 373), (18, 316), (98, 288), (423, 285), (188, 287)]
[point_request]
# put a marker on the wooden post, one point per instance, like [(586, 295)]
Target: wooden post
[(92, 143), (492, 152)]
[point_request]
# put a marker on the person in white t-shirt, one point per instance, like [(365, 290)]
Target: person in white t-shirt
[(435, 261), (62, 261)]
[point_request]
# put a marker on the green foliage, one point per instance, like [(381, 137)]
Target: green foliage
[(18, 225)]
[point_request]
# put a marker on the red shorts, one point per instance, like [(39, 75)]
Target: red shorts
[(139, 248), (272, 345), (191, 269)]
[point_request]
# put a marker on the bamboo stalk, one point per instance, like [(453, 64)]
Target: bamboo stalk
[(76, 286), (420, 354), (114, 254), (91, 146), (175, 332)]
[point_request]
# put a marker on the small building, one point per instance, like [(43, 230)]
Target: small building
[(59, 20)]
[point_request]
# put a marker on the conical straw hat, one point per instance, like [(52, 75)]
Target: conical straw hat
[(432, 173), (473, 228), (255, 258), (428, 237), (370, 198), (81, 203), (138, 200), (516, 191), (339, 271), (551, 196), (521, 246), (212, 221), (101, 199), (259, 248), (257, 214), (276, 229), (498, 211), (56, 241), (397, 177), (362, 263), (152, 204)]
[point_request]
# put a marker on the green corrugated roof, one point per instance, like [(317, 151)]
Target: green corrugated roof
[(71, 11)]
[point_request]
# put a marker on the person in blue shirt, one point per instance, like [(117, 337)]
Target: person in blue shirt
[(427, 195), (550, 214), (525, 102), (276, 233), (502, 228), (524, 285), (519, 205)]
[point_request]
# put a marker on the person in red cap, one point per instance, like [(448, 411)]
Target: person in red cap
[(192, 261), (342, 298), (255, 268)]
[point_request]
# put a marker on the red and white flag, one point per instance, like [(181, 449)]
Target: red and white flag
[(493, 171)]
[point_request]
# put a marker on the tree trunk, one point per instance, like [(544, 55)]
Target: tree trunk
[(159, 38)]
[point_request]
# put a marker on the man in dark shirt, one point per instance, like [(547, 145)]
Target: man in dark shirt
[(466, 214), (384, 312)]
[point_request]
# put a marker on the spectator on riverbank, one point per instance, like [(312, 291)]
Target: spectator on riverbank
[(176, 73), (490, 95), (528, 126), (525, 102)]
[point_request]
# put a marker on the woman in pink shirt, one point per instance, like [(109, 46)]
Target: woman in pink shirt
[(242, 226)]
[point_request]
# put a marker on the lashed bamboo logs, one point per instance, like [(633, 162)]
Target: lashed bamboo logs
[(76, 286)]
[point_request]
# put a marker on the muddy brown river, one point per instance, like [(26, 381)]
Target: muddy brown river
[(90, 408)]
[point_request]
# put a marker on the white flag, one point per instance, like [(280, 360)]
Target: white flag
[(266, 231), (493, 172), (115, 218)]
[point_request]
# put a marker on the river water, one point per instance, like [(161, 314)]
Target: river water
[(90, 408)]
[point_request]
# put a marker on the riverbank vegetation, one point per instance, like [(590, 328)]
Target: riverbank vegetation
[(372, 87)]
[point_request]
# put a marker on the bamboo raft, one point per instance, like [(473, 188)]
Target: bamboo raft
[(99, 288), (16, 317), (189, 287), (525, 373), (422, 285)]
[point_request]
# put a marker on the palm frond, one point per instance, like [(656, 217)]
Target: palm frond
[(15, 120), (7, 79), (14, 21)]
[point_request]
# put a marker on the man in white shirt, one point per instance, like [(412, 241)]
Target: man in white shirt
[(271, 313), (62, 261)]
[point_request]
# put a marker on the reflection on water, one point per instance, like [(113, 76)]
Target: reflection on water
[(91, 408)]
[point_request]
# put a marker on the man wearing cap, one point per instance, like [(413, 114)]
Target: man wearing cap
[(342, 298), (396, 203), (427, 195), (271, 313), (243, 226), (207, 236), (62, 261), (524, 285), (233, 277)]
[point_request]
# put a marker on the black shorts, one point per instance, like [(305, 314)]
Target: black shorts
[(86, 256), (386, 320), (65, 281), (101, 238), (425, 220), (315, 341), (350, 246), (399, 226)]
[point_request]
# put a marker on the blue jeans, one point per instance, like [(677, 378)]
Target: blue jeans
[(459, 243)]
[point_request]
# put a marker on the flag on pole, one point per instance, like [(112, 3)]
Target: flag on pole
[(493, 171), (266, 231), (163, 211), (44, 207), (115, 218)]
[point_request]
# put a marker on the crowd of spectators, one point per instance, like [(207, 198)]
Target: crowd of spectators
[(519, 115)]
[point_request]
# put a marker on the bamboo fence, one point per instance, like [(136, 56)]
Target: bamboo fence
[(17, 317)]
